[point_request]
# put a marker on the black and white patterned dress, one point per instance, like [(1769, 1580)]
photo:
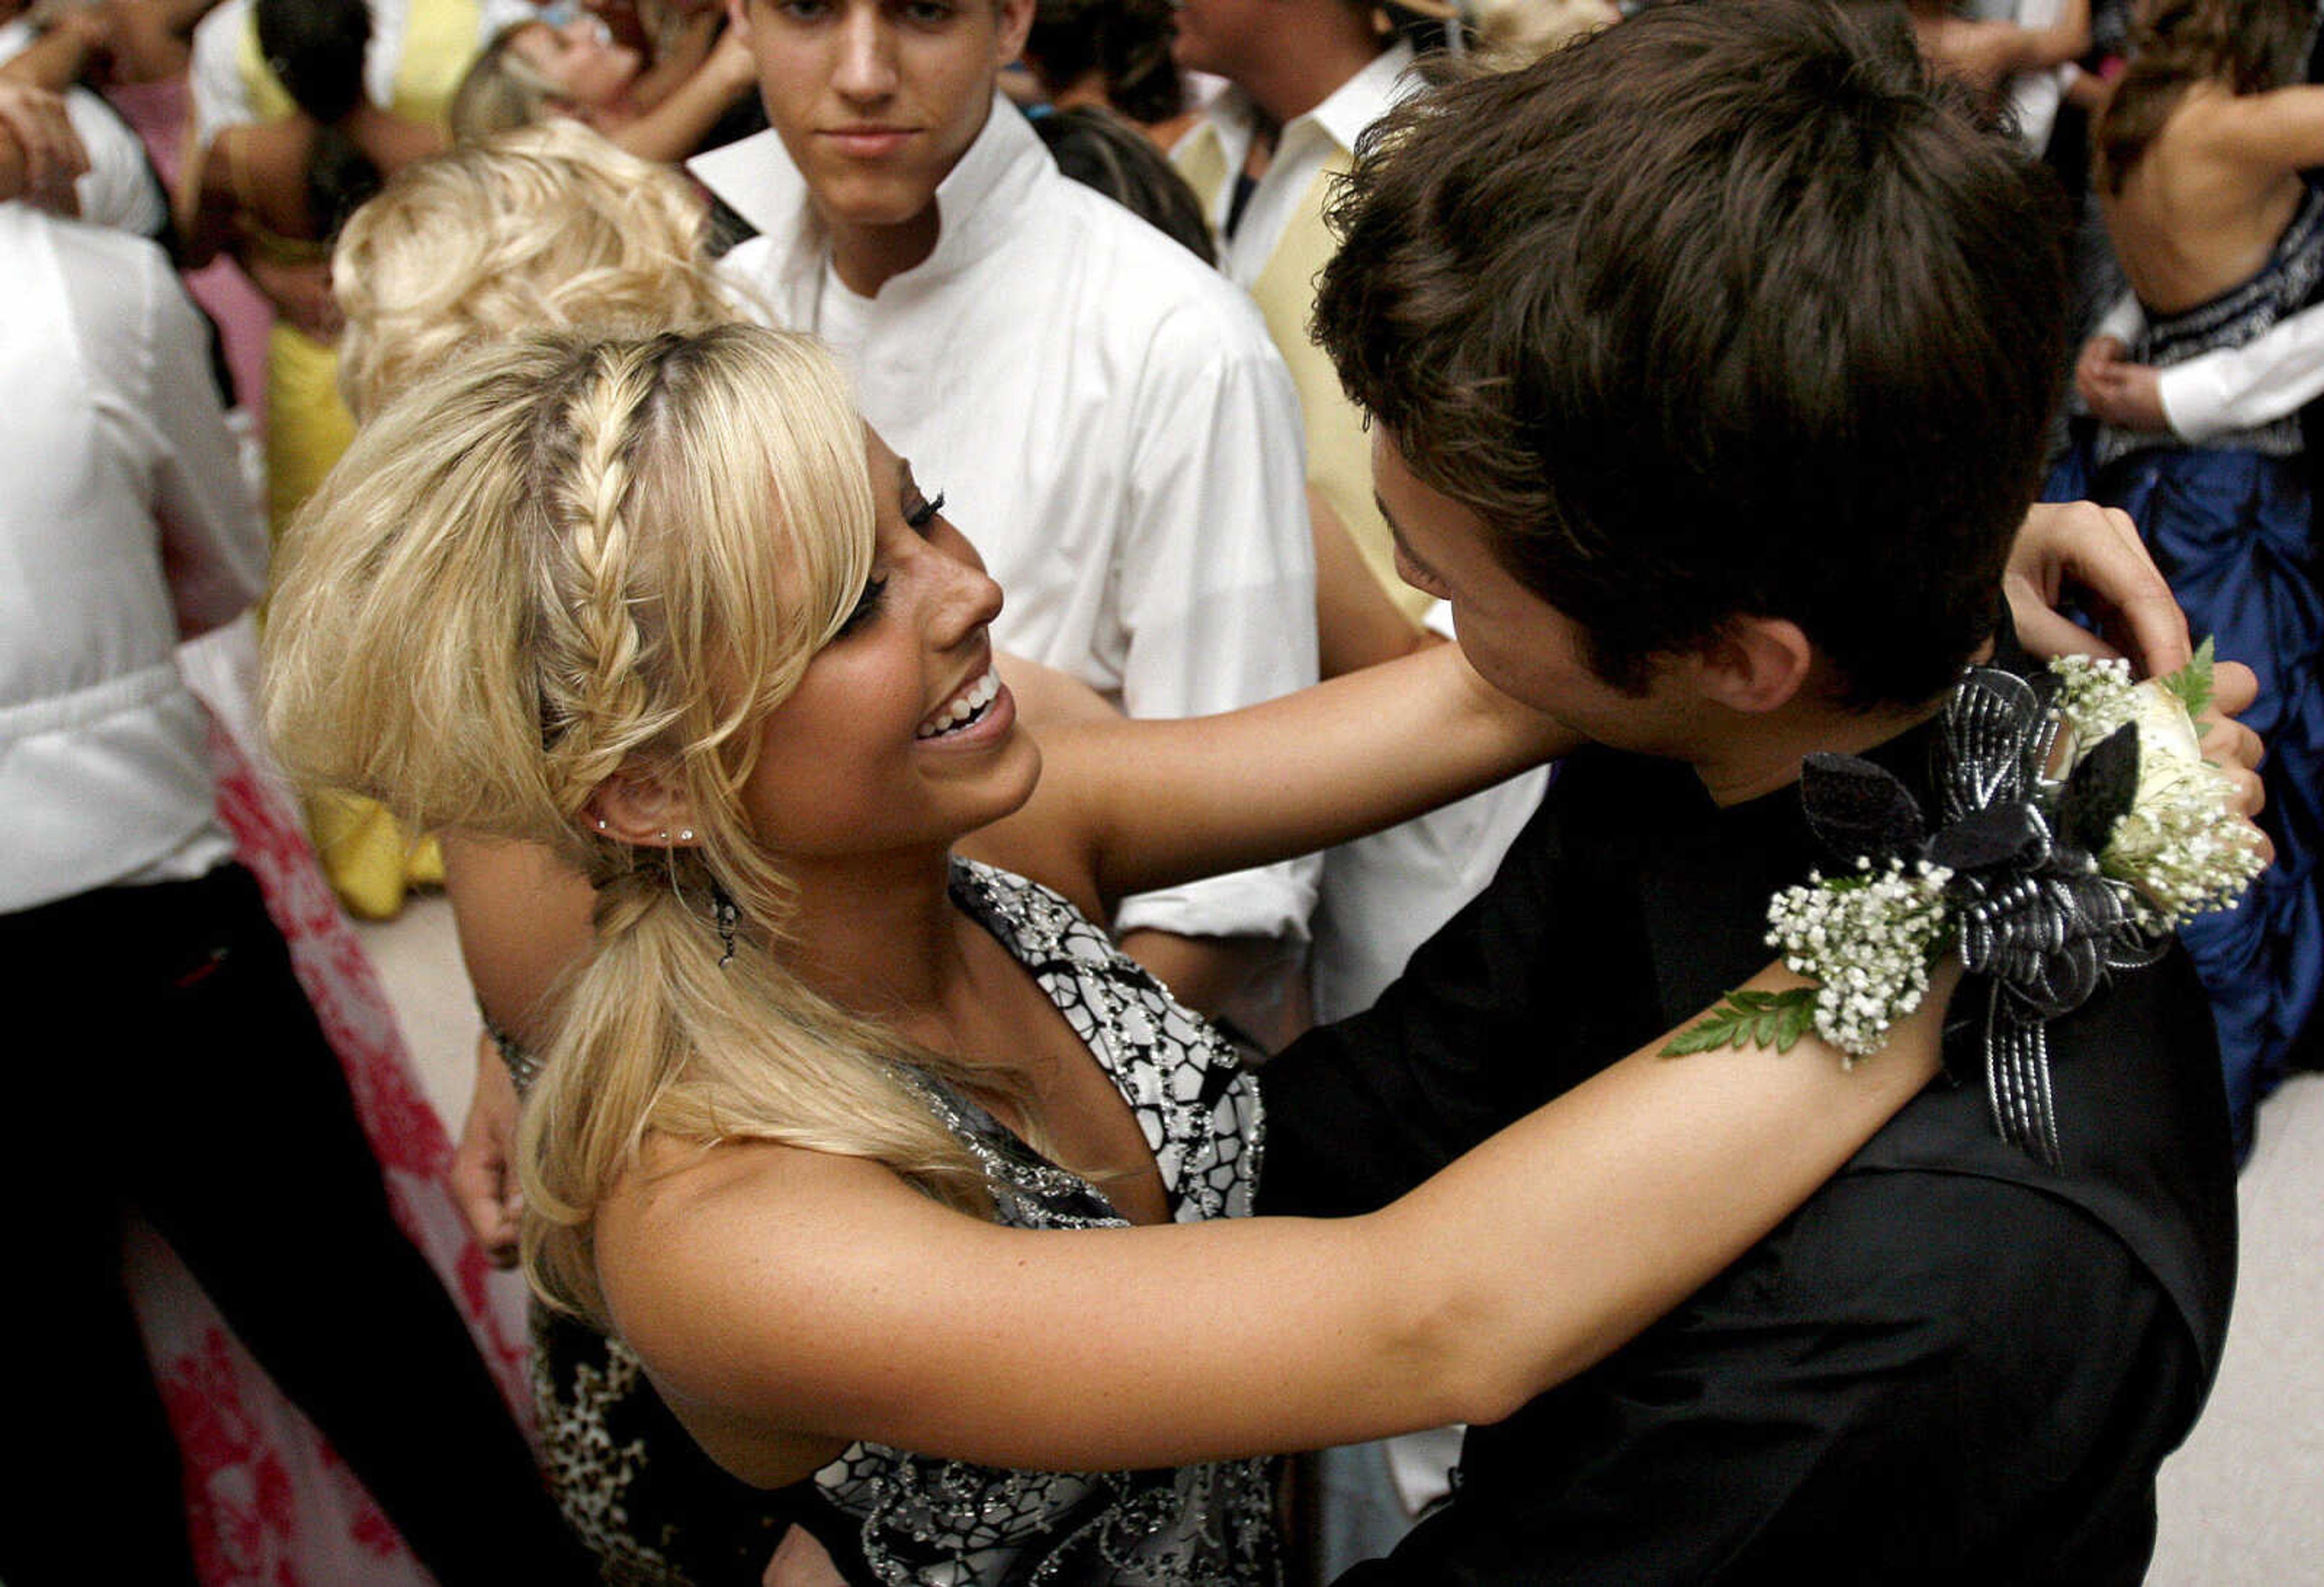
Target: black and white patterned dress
[(658, 1511)]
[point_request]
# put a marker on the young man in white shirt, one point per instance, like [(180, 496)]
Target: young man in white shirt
[(1305, 77), (169, 1065), (1106, 416)]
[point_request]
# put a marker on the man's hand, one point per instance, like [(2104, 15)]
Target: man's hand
[(483, 1164), (2095, 551), (51, 156), (2128, 396)]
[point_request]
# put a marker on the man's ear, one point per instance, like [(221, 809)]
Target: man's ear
[(641, 811), (1756, 664), (1015, 18)]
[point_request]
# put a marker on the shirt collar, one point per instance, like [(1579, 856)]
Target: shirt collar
[(1342, 118), (1363, 99), (978, 203)]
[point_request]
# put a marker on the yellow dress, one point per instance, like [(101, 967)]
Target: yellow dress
[(367, 855)]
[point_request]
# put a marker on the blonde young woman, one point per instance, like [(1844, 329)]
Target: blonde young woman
[(532, 71), (664, 607), (548, 227), (542, 227)]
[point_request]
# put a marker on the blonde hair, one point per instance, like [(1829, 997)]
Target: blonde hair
[(568, 558), (1512, 33), (502, 89), (535, 229)]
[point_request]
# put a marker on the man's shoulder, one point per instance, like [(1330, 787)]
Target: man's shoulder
[(108, 276), (1940, 1227), (1148, 283), (1919, 1377)]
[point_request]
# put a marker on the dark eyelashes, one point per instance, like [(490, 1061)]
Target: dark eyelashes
[(867, 606)]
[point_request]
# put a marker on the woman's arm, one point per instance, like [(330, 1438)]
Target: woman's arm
[(523, 919), (2275, 134), (1357, 625), (782, 1297), (672, 129), (1149, 804)]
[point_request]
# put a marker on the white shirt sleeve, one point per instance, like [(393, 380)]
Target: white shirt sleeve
[(119, 188), (2243, 387), (157, 398), (1218, 580), (2126, 322), (494, 15), (214, 75)]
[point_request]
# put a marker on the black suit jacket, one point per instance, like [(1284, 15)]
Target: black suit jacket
[(1952, 1365)]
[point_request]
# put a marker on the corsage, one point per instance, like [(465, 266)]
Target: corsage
[(2080, 826)]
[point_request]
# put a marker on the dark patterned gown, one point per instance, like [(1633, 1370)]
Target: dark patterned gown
[(657, 1510)]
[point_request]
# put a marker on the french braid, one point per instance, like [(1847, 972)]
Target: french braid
[(559, 557)]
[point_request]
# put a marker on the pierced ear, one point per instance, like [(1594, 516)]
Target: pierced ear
[(1756, 664), (641, 811)]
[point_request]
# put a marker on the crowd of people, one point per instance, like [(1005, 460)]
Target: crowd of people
[(1209, 624)]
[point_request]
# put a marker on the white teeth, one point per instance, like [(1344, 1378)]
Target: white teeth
[(965, 706)]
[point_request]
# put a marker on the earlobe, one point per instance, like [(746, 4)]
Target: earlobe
[(643, 812), (1756, 664)]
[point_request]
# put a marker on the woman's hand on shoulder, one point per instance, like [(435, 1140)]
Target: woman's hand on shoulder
[(2096, 553)]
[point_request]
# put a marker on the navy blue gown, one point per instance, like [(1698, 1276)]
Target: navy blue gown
[(2231, 524)]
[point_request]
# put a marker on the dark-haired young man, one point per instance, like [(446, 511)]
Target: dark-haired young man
[(1708, 364)]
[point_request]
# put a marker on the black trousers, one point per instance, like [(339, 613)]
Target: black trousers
[(168, 1062)]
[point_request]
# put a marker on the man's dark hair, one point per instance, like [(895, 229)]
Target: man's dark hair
[(1727, 310), (1127, 42)]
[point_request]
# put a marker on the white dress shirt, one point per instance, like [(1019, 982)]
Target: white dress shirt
[(1384, 896), (1306, 144), (2245, 388), (119, 189), (125, 525), (1108, 425)]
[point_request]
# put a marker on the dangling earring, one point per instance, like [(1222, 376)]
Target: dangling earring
[(727, 915)]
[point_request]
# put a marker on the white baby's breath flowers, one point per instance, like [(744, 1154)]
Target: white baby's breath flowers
[(2180, 847), (1867, 939)]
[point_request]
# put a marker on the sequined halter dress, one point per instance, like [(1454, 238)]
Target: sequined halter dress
[(657, 1512)]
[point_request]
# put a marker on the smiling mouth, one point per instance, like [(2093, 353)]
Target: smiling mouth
[(964, 710)]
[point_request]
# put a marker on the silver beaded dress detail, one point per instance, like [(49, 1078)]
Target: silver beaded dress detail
[(938, 1523), (660, 1515)]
